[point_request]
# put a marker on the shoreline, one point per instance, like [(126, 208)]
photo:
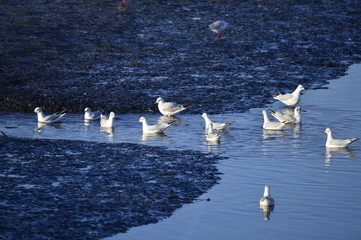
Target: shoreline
[(73, 55)]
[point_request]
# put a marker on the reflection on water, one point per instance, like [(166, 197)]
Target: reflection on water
[(41, 126), (337, 153), (154, 136), (268, 134), (170, 119), (266, 211), (87, 123), (108, 132)]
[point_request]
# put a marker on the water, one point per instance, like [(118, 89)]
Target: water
[(316, 191)]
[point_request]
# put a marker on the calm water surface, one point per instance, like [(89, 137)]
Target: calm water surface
[(317, 191)]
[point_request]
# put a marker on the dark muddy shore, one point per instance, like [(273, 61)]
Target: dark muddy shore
[(72, 54), (80, 190)]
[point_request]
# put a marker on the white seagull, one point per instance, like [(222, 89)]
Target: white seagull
[(50, 118), (268, 125), (290, 99), (211, 135), (89, 115), (337, 143), (169, 108), (266, 200), (107, 122), (286, 118), (151, 129), (218, 27), (216, 125)]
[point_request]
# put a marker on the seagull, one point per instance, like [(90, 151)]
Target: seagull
[(216, 126), (286, 118), (211, 135), (337, 143), (50, 118), (290, 99), (268, 125), (266, 200), (157, 128), (89, 115), (169, 108), (107, 122), (218, 27)]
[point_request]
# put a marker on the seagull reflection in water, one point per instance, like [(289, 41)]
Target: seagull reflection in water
[(170, 119), (337, 152), (41, 125), (213, 145), (155, 136), (267, 134), (266, 211), (108, 132)]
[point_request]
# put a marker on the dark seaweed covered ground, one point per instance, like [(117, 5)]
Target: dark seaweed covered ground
[(71, 54), (80, 190)]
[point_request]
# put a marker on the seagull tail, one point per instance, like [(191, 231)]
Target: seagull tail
[(61, 112), (272, 111), (229, 123)]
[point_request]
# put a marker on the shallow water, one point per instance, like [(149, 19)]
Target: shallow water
[(316, 191)]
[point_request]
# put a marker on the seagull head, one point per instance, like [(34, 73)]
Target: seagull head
[(112, 115), (266, 191), (141, 119), (160, 99), (327, 130), (38, 110), (301, 88)]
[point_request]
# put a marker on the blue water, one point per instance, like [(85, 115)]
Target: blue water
[(316, 191)]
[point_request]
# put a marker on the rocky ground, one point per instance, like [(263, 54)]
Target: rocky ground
[(80, 190), (69, 54)]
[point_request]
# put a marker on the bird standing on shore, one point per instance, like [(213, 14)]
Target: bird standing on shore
[(169, 108), (290, 99), (218, 27)]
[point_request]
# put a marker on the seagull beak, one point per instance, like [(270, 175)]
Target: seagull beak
[(302, 110)]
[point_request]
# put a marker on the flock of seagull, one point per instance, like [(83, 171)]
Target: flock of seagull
[(293, 116), (291, 99), (212, 128)]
